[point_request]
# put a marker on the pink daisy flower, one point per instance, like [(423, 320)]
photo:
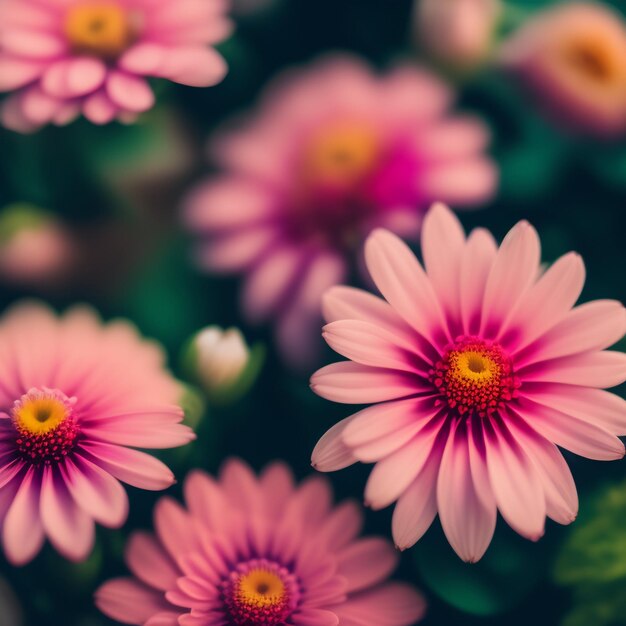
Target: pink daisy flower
[(251, 550), (481, 368), (67, 57), (73, 396), (332, 152)]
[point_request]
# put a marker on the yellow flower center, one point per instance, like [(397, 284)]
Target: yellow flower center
[(341, 154), (39, 415), (473, 366), (261, 588), (102, 29)]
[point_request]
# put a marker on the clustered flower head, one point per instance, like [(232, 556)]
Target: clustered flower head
[(479, 365), (76, 398), (91, 57), (333, 151), (258, 551)]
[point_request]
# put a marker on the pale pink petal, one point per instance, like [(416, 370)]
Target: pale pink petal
[(352, 383), (32, 43), (129, 92), (331, 453), (70, 78), (69, 528), (130, 466), (366, 562), (549, 299), (18, 72), (516, 483), (476, 262), (514, 270), (128, 601), (393, 604), (99, 108), (195, 66), (147, 560), (558, 483), (443, 241), (569, 432), (315, 617), (403, 282), (467, 522), (96, 491), (22, 532)]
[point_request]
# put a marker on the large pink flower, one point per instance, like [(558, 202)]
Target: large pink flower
[(73, 396), (67, 57), (332, 152), (481, 367), (264, 551)]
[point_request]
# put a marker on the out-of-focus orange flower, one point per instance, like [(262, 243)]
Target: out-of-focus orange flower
[(573, 57)]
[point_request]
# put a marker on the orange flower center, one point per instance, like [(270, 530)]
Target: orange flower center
[(101, 29), (341, 155), (45, 425)]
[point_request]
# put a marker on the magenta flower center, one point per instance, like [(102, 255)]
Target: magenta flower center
[(101, 29), (46, 426), (260, 593), (475, 376)]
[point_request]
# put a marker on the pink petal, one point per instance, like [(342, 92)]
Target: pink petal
[(342, 526), (70, 529), (558, 483), (352, 383), (569, 432), (461, 182), (18, 72), (163, 619), (369, 344), (74, 77), (95, 491), (99, 109), (417, 506), (475, 266), (366, 562), (39, 107), (402, 281), (549, 299), (195, 66), (595, 369), (348, 303), (174, 527), (513, 272), (393, 604), (129, 92), (592, 326), (269, 282), (32, 43), (206, 501), (128, 601), (22, 532), (315, 617), (143, 58), (443, 240), (331, 453), (391, 476), (596, 406), (466, 520), (515, 482), (130, 466), (453, 138), (147, 560)]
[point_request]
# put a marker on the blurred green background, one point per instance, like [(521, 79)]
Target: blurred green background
[(118, 189)]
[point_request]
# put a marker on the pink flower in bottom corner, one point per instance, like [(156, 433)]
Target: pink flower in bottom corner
[(92, 57), (75, 398), (250, 551), (333, 151), (480, 367)]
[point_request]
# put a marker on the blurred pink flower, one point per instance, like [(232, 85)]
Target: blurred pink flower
[(332, 152), (457, 32), (73, 396), (258, 551), (573, 58), (67, 57), (480, 365), (35, 249)]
